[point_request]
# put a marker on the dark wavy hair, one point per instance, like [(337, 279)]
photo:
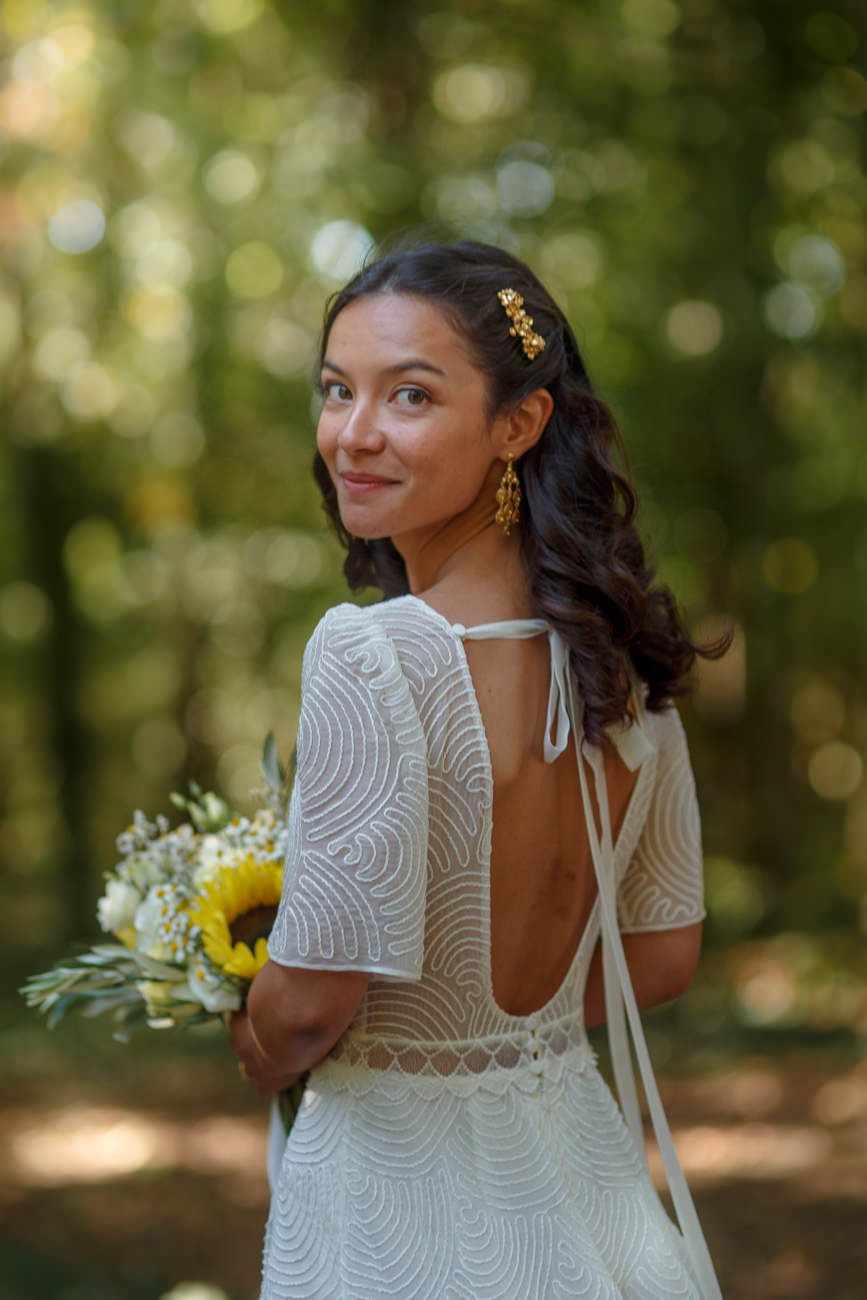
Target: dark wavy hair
[(583, 558)]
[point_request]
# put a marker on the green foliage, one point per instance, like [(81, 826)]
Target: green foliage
[(187, 181), (105, 979), (206, 810)]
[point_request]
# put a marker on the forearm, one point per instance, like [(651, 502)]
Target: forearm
[(292, 1020), (661, 967), (288, 1040)]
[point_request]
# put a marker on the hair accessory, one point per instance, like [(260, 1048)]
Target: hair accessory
[(508, 498), (522, 324)]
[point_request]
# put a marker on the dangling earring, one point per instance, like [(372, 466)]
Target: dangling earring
[(508, 498)]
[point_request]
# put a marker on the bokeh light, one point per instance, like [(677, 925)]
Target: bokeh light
[(228, 16), (232, 177), (339, 248), (835, 770), (524, 189), (817, 711), (77, 227), (90, 391), (477, 92), (813, 260), (254, 270), (790, 311), (158, 311), (694, 327), (25, 612), (790, 565)]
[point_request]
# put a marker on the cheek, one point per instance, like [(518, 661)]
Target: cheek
[(326, 442)]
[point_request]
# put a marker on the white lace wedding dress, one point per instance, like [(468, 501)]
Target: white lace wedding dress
[(445, 1149)]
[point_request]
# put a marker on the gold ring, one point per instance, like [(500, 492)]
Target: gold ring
[(242, 1070)]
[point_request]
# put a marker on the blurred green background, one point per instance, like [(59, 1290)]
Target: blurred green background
[(183, 184)]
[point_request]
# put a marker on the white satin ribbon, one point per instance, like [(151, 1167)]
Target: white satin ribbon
[(276, 1144), (628, 737), (619, 992), (634, 747)]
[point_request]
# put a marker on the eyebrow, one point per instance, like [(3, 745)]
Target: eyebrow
[(411, 363)]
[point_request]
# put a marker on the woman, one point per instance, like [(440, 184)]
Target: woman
[(436, 957)]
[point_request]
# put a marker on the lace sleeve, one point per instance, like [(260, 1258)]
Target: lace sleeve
[(662, 886), (354, 879)]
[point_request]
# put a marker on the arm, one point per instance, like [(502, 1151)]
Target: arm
[(292, 1020), (659, 899), (660, 896), (661, 965), (355, 874)]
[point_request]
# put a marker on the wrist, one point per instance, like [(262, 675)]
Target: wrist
[(261, 1051)]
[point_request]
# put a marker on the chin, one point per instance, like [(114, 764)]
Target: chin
[(366, 532), (373, 537)]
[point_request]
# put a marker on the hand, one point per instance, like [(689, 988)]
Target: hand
[(253, 1064)]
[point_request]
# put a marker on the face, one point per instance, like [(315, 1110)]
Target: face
[(404, 429)]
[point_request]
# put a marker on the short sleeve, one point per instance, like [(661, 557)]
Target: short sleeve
[(355, 873), (662, 886)]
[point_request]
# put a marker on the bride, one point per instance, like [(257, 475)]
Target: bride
[(494, 838)]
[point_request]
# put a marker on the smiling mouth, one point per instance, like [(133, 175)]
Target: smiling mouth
[(364, 482)]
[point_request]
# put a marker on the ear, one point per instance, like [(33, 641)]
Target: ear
[(522, 428)]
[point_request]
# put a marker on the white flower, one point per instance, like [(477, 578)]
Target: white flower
[(210, 987), (211, 857), (210, 849), (141, 870), (117, 908), (152, 923)]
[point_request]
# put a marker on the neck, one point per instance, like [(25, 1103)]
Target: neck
[(470, 544)]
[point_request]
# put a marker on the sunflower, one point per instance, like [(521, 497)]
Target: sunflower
[(235, 911)]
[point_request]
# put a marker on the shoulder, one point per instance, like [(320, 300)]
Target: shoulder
[(665, 725), (374, 621), (346, 636), (667, 734), (338, 623), (351, 652)]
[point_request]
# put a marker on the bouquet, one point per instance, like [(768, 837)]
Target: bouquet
[(190, 908)]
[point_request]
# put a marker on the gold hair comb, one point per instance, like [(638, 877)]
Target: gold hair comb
[(522, 324)]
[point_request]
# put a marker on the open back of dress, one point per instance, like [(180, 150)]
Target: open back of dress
[(542, 881)]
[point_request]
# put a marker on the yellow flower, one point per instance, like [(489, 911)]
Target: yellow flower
[(248, 891)]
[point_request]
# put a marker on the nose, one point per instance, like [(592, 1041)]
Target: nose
[(359, 431)]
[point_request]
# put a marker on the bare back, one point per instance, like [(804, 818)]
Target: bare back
[(542, 881)]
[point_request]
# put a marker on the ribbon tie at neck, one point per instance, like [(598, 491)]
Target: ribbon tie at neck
[(628, 737)]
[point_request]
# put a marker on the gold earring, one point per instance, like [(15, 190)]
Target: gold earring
[(508, 498)]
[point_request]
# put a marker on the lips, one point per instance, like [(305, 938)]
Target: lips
[(352, 476)]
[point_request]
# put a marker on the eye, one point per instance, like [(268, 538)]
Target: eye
[(335, 390), (411, 397)]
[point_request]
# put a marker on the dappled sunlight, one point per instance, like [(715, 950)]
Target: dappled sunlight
[(797, 979), (756, 1122), (715, 1153), (194, 1291), (90, 1144), (840, 1101), (752, 1091), (787, 1122)]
